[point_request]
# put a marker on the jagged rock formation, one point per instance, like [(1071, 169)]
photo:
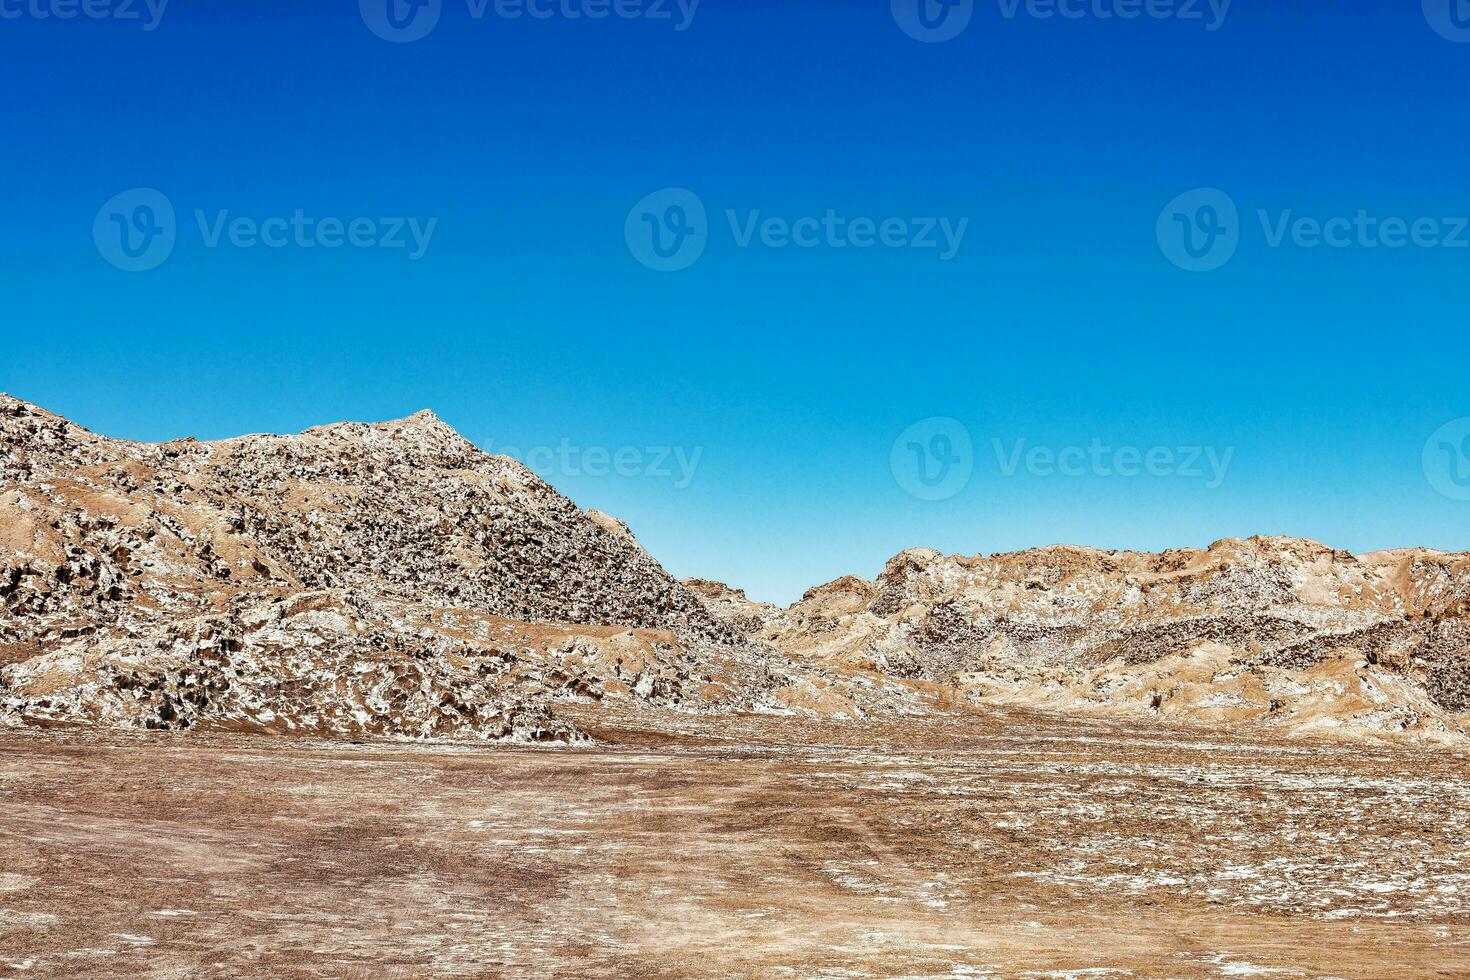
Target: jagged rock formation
[(374, 579), (732, 605), (1279, 630), (407, 508)]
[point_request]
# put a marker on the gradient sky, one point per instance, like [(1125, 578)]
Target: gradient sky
[(789, 371)]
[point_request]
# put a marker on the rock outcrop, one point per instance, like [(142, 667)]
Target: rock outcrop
[(733, 606), (1275, 630), (383, 579)]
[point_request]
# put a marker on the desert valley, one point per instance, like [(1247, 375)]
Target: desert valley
[(367, 701)]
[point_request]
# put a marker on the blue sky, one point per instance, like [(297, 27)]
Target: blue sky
[(780, 375)]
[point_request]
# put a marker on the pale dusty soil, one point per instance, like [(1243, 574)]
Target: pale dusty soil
[(1003, 845)]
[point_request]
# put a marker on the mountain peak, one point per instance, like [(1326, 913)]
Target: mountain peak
[(422, 430)]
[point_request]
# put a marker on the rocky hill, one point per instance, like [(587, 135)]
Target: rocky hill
[(1279, 631), (391, 579), (409, 509), (384, 579)]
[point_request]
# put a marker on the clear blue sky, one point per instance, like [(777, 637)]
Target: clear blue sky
[(791, 371)]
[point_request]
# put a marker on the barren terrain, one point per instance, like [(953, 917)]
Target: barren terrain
[(1007, 844), (368, 702)]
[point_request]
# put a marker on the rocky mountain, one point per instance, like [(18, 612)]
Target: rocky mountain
[(384, 579), (408, 508), (1278, 631), (393, 580)]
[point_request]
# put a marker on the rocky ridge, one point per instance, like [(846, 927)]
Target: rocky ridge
[(1278, 631), (392, 580)]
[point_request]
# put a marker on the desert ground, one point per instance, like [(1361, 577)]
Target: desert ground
[(1002, 843)]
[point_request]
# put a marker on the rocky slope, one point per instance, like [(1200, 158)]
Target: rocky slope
[(1278, 631), (385, 579)]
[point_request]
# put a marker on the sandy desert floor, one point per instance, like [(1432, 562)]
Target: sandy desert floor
[(1008, 845)]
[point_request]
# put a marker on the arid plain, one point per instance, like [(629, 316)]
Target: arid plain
[(1004, 845)]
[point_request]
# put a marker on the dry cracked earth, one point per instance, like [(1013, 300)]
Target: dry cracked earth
[(368, 702)]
